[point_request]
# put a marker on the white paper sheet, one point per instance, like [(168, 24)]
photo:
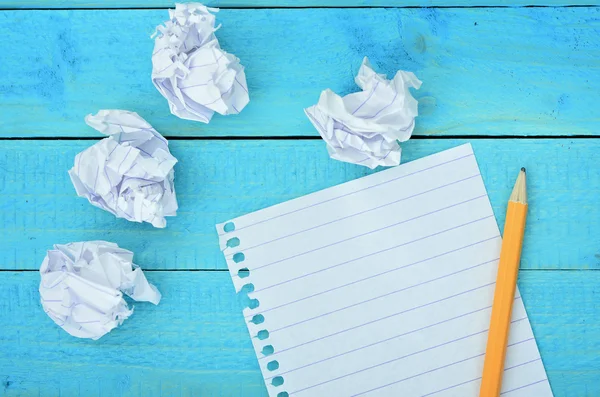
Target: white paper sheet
[(382, 286), (364, 127), (130, 173), (82, 286), (190, 69)]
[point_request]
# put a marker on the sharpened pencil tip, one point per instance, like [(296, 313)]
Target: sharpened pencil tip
[(519, 192)]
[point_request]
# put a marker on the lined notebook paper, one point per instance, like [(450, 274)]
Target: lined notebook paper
[(382, 286)]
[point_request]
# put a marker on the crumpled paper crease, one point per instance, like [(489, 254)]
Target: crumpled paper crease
[(130, 173), (82, 286), (190, 69), (365, 127)]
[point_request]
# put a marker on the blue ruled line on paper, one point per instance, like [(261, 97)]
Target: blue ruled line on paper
[(476, 379), (419, 374), (357, 304), (524, 386), (389, 339), (366, 278), (379, 319), (392, 292), (373, 231), (246, 249), (358, 191)]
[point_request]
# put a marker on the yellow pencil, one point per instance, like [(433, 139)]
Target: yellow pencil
[(504, 295)]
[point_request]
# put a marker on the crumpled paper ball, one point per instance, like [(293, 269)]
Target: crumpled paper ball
[(82, 286), (364, 127), (190, 69), (130, 173)]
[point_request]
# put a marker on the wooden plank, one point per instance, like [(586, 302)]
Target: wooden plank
[(540, 76), (23, 4), (218, 180), (195, 342)]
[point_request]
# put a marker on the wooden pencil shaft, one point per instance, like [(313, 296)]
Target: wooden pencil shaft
[(506, 283)]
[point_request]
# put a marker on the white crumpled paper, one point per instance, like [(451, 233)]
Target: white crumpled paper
[(83, 283), (190, 69), (364, 127), (130, 173)]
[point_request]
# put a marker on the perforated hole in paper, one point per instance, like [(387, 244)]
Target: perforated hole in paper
[(243, 272), (233, 242), (253, 303), (277, 381), (258, 319), (268, 350), (247, 288), (263, 334)]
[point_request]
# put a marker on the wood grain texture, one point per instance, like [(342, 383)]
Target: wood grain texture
[(522, 71), (195, 343), (218, 180), (21, 4)]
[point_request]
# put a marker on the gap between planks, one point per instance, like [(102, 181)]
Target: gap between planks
[(227, 270), (293, 8), (301, 137)]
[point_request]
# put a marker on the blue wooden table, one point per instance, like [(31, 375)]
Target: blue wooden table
[(522, 84)]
